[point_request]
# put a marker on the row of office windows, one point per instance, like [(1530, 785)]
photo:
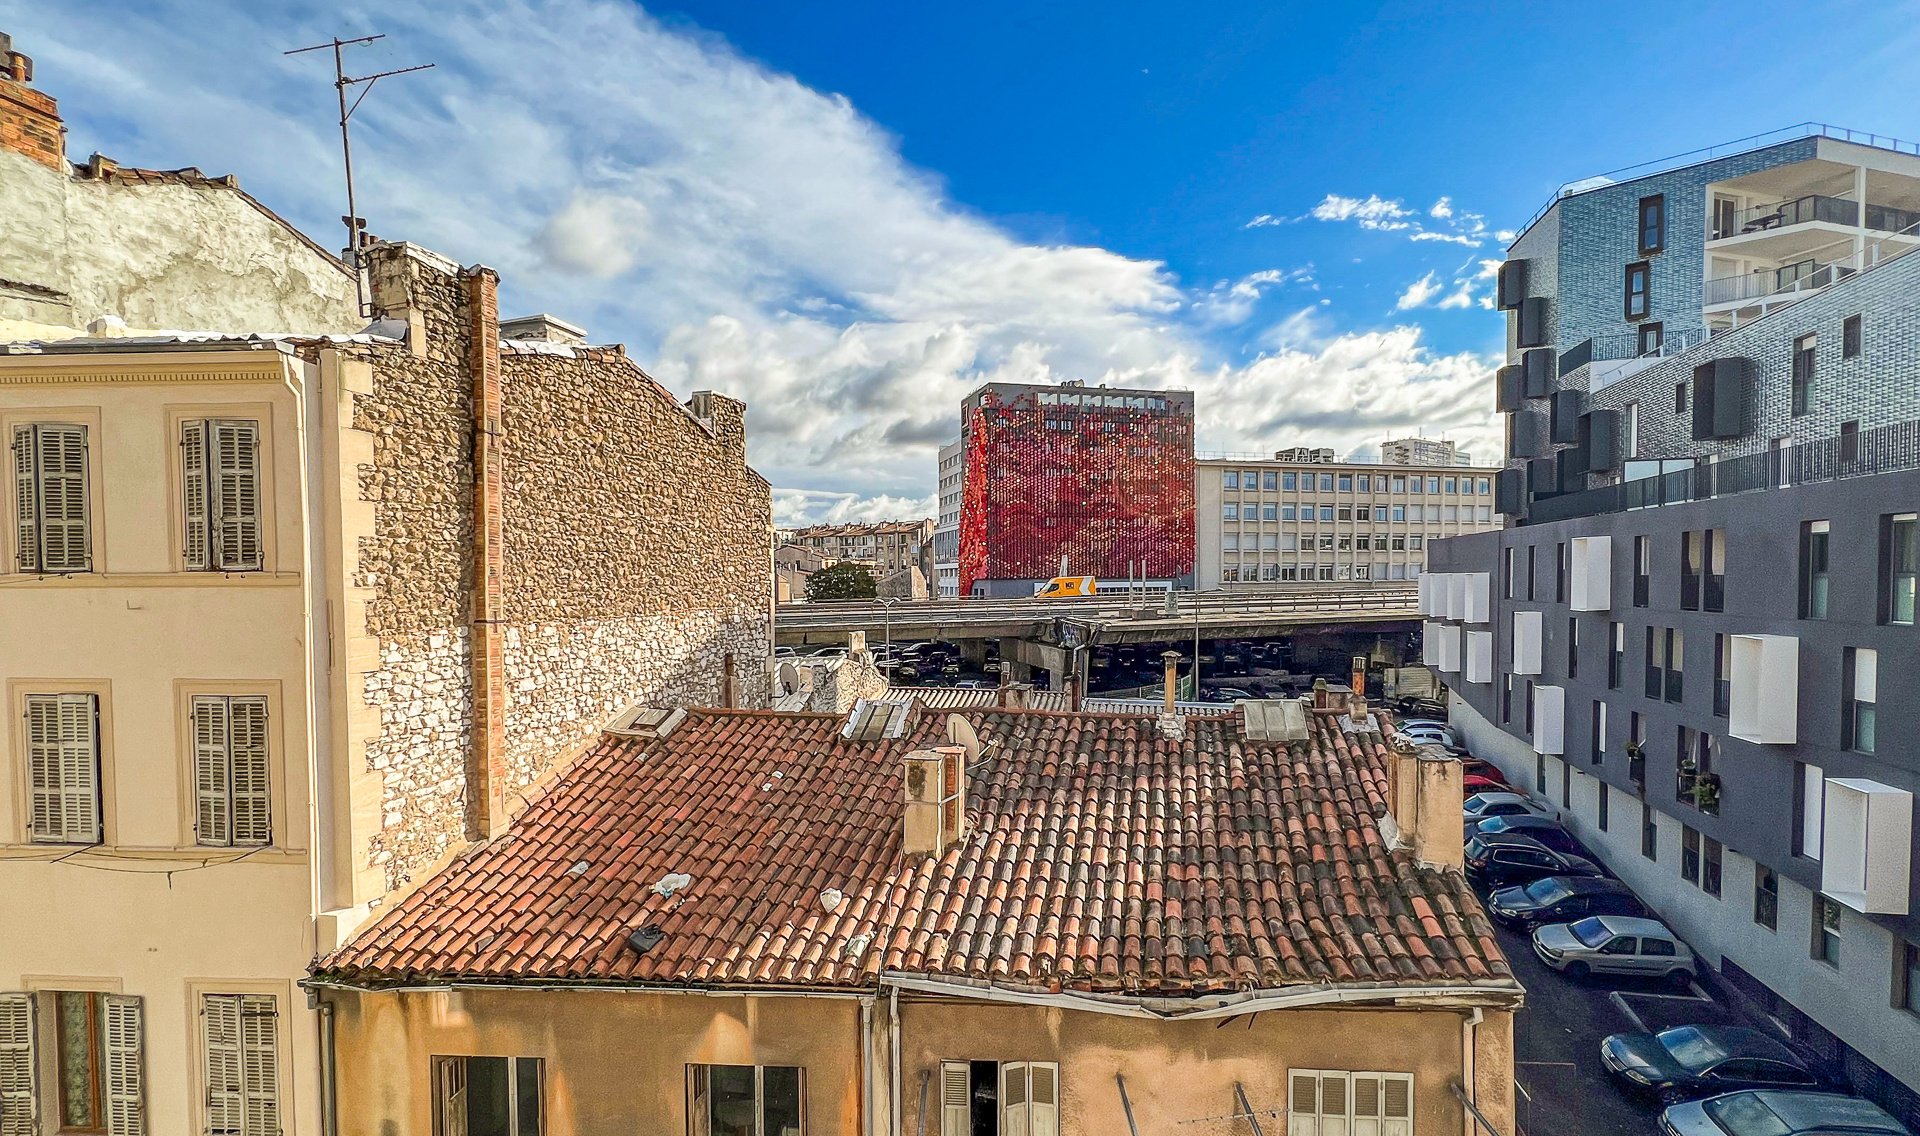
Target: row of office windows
[(74, 1061), (1325, 542), (1702, 863), (1284, 482), (219, 506), (1261, 573), (231, 762), (1417, 514)]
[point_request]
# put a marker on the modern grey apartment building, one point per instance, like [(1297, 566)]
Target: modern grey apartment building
[(1620, 271), (1277, 523), (1704, 650), (946, 532)]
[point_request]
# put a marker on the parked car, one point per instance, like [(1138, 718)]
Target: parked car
[(1473, 783), (1414, 704), (1614, 944), (1547, 832), (1229, 694), (1475, 767), (1428, 735), (1769, 1112), (1508, 860), (1562, 899), (785, 653), (1691, 1061), (1504, 802), (1412, 722), (827, 652)]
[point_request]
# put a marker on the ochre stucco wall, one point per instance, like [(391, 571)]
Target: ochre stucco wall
[(615, 1060)]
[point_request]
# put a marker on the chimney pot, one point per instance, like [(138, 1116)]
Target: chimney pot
[(935, 784), (1172, 661)]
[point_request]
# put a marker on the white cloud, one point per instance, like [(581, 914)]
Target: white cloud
[(1460, 297), (1418, 293), (1442, 208), (1454, 238), (739, 230), (797, 508), (1392, 215), (1264, 220)]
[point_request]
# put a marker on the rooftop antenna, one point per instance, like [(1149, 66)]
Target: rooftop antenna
[(356, 224)]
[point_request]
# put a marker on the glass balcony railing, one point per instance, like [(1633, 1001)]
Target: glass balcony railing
[(1801, 276), (1815, 207)]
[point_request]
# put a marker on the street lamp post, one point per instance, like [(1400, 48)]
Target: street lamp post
[(887, 606)]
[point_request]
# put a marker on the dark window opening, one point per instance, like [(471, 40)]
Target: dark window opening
[(1802, 374), (1653, 223), (1850, 337), (1652, 337), (1642, 570), (1636, 287), (1813, 569), (1766, 897)]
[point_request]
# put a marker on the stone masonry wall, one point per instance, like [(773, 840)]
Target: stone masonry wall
[(638, 555)]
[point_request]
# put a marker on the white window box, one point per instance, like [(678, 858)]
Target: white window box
[(1479, 597), (1457, 595), (1450, 648), (1549, 719), (1430, 642), (1764, 704), (1479, 656), (1590, 575), (1526, 642), (1868, 845)]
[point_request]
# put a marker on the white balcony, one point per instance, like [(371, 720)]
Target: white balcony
[(1430, 642), (1549, 719), (1764, 699), (1869, 845), (1457, 595), (1526, 642), (1450, 648), (1479, 597), (1433, 594), (1590, 575), (1479, 656)]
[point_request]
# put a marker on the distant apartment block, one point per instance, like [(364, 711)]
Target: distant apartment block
[(1423, 451), (946, 533), (1620, 271), (888, 546), (1094, 481), (1281, 523)]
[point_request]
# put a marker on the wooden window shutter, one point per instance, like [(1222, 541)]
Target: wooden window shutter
[(63, 768), (450, 1113), (1335, 1103), (260, 1065), (956, 1099), (1014, 1112), (19, 1095), (60, 460), (195, 550), (247, 762), (699, 1107), (1043, 1097), (1303, 1102), (1366, 1104), (235, 452), (125, 1067), (212, 772), (26, 502), (1396, 1104), (220, 1016)]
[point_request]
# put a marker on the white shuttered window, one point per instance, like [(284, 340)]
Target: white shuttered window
[(125, 1067), (230, 760), (19, 1100), (52, 516), (242, 1064), (63, 768), (220, 482), (1028, 1099), (1331, 1102)]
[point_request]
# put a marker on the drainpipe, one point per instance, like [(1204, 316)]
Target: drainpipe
[(893, 1031), (1469, 1042), (866, 1065), (329, 1075)]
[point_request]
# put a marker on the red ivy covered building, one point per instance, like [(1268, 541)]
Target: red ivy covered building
[(1100, 475)]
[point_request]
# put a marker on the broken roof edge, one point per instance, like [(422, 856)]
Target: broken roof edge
[(1506, 993)]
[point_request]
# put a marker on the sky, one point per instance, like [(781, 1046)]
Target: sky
[(851, 214)]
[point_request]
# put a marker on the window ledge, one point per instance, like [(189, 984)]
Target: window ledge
[(153, 580), (192, 855)]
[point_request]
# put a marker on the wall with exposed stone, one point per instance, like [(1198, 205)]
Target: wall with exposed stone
[(637, 555)]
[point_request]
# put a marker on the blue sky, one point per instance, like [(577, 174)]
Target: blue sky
[(850, 214)]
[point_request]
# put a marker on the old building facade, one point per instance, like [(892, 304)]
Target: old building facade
[(292, 620)]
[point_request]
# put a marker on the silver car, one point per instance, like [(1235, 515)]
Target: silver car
[(1614, 944), (1767, 1112)]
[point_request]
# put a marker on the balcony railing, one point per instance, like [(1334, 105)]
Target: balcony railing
[(1888, 449), (1802, 276), (1605, 348), (1816, 207)]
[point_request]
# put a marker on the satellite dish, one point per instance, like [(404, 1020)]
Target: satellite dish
[(789, 678), (960, 732)]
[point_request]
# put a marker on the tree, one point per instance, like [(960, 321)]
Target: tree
[(841, 582)]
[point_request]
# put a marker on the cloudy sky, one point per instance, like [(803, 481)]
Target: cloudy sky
[(850, 215)]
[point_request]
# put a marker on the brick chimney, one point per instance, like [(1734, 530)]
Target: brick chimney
[(1427, 798), (29, 121), (935, 782)]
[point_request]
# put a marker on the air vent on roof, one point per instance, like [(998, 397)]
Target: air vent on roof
[(646, 721), (644, 939), (872, 719)]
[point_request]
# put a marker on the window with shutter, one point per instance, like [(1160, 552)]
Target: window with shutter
[(1043, 1098), (1382, 1104), (125, 1067), (226, 1105), (956, 1115), (1328, 1102), (1334, 1103), (242, 1064), (51, 510), (19, 1096), (230, 767), (63, 768), (220, 480), (1014, 1113)]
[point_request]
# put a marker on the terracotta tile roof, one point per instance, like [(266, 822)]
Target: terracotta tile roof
[(1101, 858), (977, 697)]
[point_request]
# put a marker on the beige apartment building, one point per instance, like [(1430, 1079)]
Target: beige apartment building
[(293, 621), (1272, 523), (888, 546)]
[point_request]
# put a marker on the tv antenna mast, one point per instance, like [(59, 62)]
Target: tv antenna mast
[(355, 223)]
